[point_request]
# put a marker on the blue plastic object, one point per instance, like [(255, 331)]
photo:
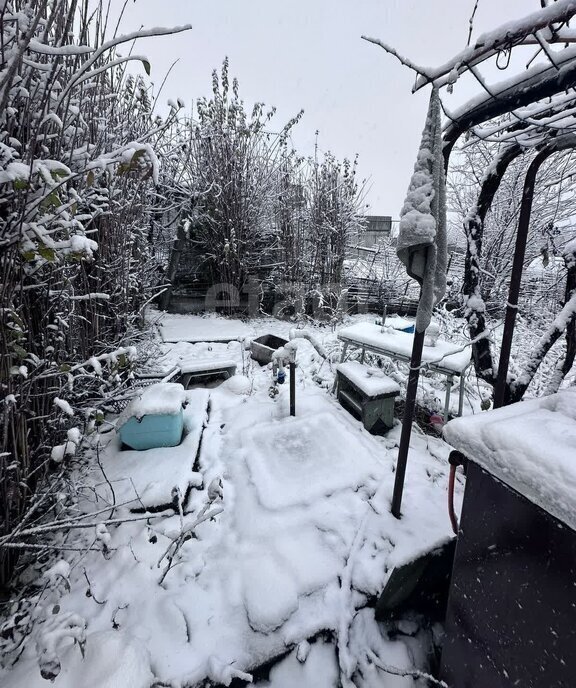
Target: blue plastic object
[(408, 329), (154, 430), (281, 377)]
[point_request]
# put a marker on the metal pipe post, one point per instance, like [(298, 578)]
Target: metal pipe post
[(461, 394), (292, 388), (411, 389), (449, 383)]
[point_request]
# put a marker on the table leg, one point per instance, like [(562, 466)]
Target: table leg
[(461, 399), (343, 354), (449, 381), (362, 355)]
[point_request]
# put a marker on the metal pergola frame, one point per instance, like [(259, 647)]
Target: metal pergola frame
[(537, 111)]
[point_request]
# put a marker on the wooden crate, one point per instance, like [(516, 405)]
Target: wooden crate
[(371, 398)]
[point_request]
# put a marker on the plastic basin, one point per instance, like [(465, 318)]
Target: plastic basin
[(152, 431)]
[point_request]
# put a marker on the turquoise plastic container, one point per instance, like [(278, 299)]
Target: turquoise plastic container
[(152, 431)]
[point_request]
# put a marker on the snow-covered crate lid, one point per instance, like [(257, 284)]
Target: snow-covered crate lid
[(198, 365), (163, 398), (371, 381), (530, 446)]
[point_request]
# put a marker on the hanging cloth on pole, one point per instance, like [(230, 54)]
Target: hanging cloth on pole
[(422, 248), (422, 235)]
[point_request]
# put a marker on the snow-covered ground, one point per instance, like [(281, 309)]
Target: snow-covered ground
[(301, 541), (194, 328)]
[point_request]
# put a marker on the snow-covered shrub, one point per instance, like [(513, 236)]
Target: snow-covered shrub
[(317, 215), (77, 165), (233, 161)]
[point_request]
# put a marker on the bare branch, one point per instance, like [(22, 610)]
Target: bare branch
[(403, 60)]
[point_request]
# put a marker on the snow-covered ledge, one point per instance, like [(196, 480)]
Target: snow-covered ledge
[(530, 446)]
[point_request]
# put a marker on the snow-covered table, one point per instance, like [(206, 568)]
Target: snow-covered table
[(445, 358)]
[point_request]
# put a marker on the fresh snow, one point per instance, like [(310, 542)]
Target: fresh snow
[(301, 541), (530, 446), (61, 569), (195, 328), (161, 398), (64, 406), (113, 659), (443, 356)]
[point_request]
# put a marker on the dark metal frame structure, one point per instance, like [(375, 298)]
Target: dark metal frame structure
[(539, 111)]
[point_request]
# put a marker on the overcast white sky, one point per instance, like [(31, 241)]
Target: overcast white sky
[(308, 54)]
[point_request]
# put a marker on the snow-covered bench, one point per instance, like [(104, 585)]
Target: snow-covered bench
[(368, 392), (196, 368)]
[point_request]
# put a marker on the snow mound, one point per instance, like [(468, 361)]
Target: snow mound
[(270, 594), (112, 659), (238, 384)]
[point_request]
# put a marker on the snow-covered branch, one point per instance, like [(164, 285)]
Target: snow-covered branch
[(107, 46), (401, 58), (505, 37)]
